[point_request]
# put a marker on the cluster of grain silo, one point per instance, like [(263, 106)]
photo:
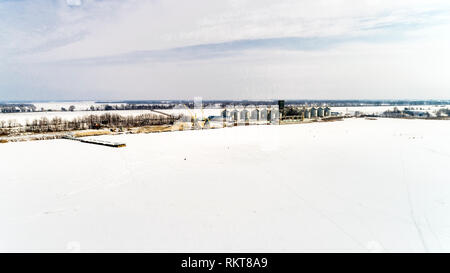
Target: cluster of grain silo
[(296, 113), (257, 114), (246, 115), (313, 111)]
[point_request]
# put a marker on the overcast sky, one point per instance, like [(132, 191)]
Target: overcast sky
[(224, 49)]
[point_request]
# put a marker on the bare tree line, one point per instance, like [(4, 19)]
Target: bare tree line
[(107, 120)]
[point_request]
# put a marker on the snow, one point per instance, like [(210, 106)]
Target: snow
[(23, 118), (82, 109), (377, 110), (354, 185), (79, 105), (57, 105)]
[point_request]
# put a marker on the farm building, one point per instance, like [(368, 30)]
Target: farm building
[(294, 113)]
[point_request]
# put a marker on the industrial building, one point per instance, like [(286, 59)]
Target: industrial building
[(296, 113)]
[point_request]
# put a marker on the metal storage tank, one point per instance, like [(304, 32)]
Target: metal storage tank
[(313, 112), (235, 115), (320, 112), (307, 113), (244, 115), (263, 114), (327, 111), (255, 115), (274, 116)]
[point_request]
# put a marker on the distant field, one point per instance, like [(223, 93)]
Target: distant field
[(79, 105), (380, 109), (23, 118), (353, 185)]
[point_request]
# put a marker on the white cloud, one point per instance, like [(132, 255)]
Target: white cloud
[(410, 64), (113, 27), (73, 2)]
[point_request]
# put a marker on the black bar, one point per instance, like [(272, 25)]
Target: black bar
[(231, 262)]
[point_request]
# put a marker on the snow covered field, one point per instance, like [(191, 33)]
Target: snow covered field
[(24, 118), (377, 110), (79, 105), (353, 185)]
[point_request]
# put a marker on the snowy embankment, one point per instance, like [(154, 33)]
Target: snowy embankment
[(355, 185)]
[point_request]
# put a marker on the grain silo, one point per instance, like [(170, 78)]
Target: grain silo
[(313, 112), (320, 112), (274, 116), (263, 114), (307, 113), (235, 115), (255, 115), (244, 115)]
